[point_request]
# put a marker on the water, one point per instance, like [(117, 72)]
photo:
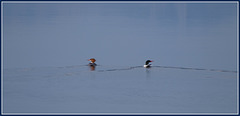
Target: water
[(78, 89), (46, 47), (62, 34)]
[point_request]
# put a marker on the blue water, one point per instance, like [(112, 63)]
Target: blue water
[(107, 89), (183, 35), (46, 47)]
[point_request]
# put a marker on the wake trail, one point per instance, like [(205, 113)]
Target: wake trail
[(163, 67), (185, 68), (120, 69), (170, 67)]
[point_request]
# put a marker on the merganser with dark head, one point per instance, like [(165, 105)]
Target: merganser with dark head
[(92, 63), (147, 65)]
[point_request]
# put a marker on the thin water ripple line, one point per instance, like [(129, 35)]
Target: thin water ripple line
[(129, 68), (72, 66), (134, 67), (171, 67), (185, 68)]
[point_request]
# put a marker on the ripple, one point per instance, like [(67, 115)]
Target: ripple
[(185, 68), (171, 67)]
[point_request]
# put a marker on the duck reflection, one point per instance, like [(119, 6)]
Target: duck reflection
[(148, 74), (92, 68)]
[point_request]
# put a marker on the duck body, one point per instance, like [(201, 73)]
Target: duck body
[(92, 63), (147, 65)]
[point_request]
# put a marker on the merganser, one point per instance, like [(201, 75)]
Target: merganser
[(92, 62), (147, 65)]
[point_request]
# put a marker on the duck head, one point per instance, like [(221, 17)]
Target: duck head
[(92, 60), (148, 61)]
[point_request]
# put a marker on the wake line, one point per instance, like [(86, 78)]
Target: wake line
[(130, 68), (184, 68), (172, 67)]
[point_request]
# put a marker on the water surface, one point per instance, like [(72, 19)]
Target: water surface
[(77, 89)]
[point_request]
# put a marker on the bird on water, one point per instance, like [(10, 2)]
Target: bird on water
[(92, 63), (147, 64)]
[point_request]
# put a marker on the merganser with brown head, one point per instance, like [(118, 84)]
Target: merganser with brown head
[(147, 65), (92, 63)]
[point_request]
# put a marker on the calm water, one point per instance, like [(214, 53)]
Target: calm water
[(78, 89), (46, 47), (185, 35)]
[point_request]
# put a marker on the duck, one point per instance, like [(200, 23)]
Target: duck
[(92, 63), (147, 65)]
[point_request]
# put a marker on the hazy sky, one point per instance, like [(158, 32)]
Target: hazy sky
[(202, 35)]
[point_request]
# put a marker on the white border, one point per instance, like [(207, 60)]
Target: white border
[(145, 2)]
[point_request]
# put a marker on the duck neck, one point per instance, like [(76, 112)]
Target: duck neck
[(146, 63)]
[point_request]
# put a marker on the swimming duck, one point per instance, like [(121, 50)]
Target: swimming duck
[(147, 65), (92, 63)]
